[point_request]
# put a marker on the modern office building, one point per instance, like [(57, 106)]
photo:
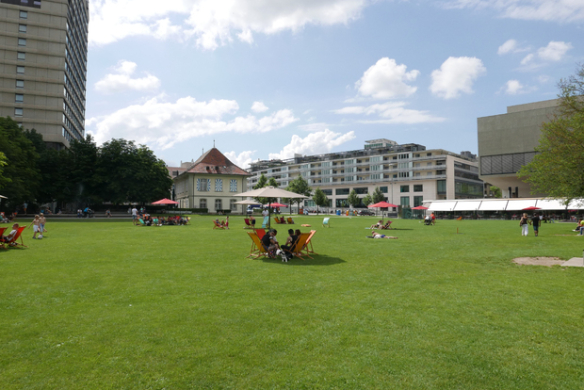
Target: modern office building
[(508, 141), (43, 66), (209, 183), (407, 174)]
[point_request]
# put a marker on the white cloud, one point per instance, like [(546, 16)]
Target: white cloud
[(546, 10), (162, 124), (212, 23), (514, 87), (527, 59), (320, 126), (243, 159), (391, 112), (121, 80), (259, 107), (386, 79), (314, 143), (456, 76), (511, 46), (554, 51)]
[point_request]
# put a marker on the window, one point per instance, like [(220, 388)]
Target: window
[(441, 186), (418, 188), (418, 201), (19, 98), (22, 28), (232, 204), (218, 204), (23, 15), (203, 185), (404, 174), (232, 185), (342, 191), (19, 83), (327, 192), (383, 190), (20, 69), (361, 191), (18, 112), (404, 188), (203, 203), (405, 201), (218, 185), (21, 42), (21, 56)]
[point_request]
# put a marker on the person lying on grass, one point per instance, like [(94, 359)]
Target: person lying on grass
[(374, 234)]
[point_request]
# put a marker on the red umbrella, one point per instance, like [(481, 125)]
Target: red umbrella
[(165, 201), (420, 208), (276, 205), (531, 208), (382, 204)]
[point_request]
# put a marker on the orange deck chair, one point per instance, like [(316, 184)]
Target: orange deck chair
[(257, 249), (218, 226), (290, 221), (308, 247), (300, 244), (277, 220), (12, 243)]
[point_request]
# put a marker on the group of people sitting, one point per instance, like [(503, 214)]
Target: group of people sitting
[(223, 224), (6, 219), (381, 225), (160, 221), (271, 245)]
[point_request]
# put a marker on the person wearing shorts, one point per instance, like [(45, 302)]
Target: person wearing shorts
[(535, 222)]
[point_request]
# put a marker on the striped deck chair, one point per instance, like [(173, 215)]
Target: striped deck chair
[(257, 249), (12, 243)]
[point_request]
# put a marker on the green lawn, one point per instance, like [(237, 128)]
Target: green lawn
[(106, 305)]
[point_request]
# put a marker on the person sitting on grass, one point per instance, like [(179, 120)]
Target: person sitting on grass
[(374, 234), (10, 235)]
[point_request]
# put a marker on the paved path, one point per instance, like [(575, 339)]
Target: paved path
[(574, 262)]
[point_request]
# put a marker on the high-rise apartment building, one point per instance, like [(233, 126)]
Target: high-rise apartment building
[(43, 66), (408, 175)]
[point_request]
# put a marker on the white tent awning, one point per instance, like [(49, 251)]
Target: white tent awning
[(468, 206), (520, 204), (576, 204), (550, 204), (442, 206), (493, 205)]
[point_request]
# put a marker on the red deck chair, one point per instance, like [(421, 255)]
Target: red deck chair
[(247, 224), (12, 243), (218, 225), (261, 233)]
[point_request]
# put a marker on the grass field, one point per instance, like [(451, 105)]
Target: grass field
[(106, 305)]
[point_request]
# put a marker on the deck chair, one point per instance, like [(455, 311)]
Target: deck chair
[(326, 222), (277, 220), (265, 222), (308, 247), (261, 233), (257, 249), (218, 226), (12, 243), (300, 244), (247, 224), (290, 221), (459, 218), (141, 222), (387, 225)]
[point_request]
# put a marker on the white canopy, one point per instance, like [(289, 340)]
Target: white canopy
[(520, 204), (271, 192), (442, 206), (576, 204), (468, 206), (550, 204), (493, 205)]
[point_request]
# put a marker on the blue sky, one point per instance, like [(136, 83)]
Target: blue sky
[(270, 78)]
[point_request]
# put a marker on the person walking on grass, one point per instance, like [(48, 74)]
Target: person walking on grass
[(43, 221), (524, 224), (36, 223), (535, 221)]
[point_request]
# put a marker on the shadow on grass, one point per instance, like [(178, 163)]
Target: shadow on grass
[(315, 261)]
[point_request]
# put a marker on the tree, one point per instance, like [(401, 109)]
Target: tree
[(556, 169), (353, 198), (272, 182), (262, 182), (377, 196), (320, 199), (299, 186), (21, 175), (3, 163), (496, 191), (367, 200)]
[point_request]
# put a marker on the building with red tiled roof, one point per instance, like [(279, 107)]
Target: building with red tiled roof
[(209, 183)]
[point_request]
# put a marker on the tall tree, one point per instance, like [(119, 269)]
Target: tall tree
[(262, 182), (3, 163), (22, 174), (367, 200), (83, 185), (320, 198), (299, 186), (353, 198), (377, 196), (556, 169)]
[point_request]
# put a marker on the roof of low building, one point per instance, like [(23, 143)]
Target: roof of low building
[(215, 162)]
